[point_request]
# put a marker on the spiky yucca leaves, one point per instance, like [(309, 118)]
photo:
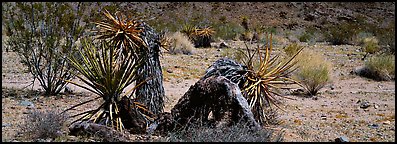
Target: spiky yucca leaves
[(122, 33), (165, 41), (103, 75), (263, 81), (203, 37), (190, 31)]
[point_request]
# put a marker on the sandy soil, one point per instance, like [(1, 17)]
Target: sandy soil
[(333, 113)]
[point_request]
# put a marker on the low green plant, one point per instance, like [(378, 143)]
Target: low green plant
[(370, 45), (313, 72), (342, 33), (292, 49), (381, 67)]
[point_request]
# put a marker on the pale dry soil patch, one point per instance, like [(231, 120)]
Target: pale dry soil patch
[(333, 113)]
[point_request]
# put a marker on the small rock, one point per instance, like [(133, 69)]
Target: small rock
[(223, 45), (26, 103), (365, 105), (376, 106), (169, 71), (386, 122), (373, 126), (314, 98), (176, 66), (342, 139), (6, 125), (323, 117), (332, 87)]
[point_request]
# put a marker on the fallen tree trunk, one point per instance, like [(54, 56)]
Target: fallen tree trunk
[(107, 134), (214, 94)]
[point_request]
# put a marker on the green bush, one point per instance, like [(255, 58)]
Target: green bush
[(341, 33), (292, 49), (380, 67), (43, 34), (370, 45), (313, 71), (228, 31)]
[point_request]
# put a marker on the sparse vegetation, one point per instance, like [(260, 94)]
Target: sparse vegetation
[(43, 44), (180, 43), (370, 45), (313, 71), (380, 67), (292, 49), (235, 133), (43, 125), (263, 79)]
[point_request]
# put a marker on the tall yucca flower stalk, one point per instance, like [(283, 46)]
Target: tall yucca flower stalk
[(263, 81)]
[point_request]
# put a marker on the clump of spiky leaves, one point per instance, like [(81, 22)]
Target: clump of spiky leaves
[(108, 69), (122, 33), (204, 37), (264, 80), (201, 37), (190, 31)]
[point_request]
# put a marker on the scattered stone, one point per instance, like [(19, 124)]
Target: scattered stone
[(342, 139), (224, 45), (6, 125), (169, 71), (176, 66), (376, 106), (323, 117), (26, 103), (314, 98), (386, 122), (364, 105), (68, 90), (374, 126), (332, 87)]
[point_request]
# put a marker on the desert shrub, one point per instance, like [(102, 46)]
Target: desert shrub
[(341, 33), (43, 124), (370, 45), (235, 133), (180, 43), (313, 71), (380, 67), (228, 31), (387, 37), (291, 49), (43, 34)]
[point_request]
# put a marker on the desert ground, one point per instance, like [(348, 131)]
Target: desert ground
[(335, 112)]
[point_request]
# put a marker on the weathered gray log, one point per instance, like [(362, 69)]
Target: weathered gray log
[(214, 94), (152, 92), (107, 134)]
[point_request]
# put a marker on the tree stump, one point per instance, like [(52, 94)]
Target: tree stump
[(214, 94)]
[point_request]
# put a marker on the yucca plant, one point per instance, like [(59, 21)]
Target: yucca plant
[(264, 80), (190, 31), (204, 37), (108, 69)]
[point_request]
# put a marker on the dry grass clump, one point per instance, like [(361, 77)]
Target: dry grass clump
[(43, 125), (180, 43), (313, 71), (235, 133), (380, 67)]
